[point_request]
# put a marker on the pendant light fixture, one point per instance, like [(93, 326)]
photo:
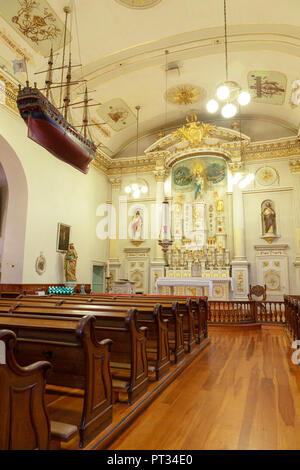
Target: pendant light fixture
[(137, 187), (229, 94)]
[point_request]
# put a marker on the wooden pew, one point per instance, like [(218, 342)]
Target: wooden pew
[(157, 346), (170, 311), (199, 306), (184, 307), (128, 364), (78, 361), (24, 423)]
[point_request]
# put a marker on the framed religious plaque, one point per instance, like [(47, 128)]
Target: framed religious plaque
[(40, 264), (63, 237)]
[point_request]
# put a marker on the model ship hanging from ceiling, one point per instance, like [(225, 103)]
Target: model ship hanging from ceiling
[(50, 128)]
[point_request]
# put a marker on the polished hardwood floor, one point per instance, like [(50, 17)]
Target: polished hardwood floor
[(242, 392)]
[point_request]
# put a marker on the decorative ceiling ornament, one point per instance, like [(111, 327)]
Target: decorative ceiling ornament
[(117, 114), (193, 131), (138, 4), (266, 176), (267, 87), (229, 93), (295, 94), (185, 95), (36, 21)]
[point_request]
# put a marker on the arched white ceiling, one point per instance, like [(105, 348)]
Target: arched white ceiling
[(122, 51)]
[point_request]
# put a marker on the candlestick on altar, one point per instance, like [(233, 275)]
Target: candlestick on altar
[(165, 246), (165, 229)]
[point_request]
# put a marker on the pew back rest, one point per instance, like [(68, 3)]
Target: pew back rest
[(64, 341), (24, 423), (118, 324)]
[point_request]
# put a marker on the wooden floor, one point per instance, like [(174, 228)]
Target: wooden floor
[(65, 404), (242, 392)]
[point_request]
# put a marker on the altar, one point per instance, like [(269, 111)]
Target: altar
[(123, 287), (214, 288)]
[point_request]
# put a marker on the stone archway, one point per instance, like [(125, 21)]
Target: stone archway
[(15, 215)]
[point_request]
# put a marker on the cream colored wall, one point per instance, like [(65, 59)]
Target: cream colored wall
[(147, 201), (283, 196), (56, 193)]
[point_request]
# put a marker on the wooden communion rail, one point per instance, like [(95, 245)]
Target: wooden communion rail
[(246, 312)]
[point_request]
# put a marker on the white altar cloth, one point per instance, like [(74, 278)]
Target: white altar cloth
[(183, 282), (216, 288)]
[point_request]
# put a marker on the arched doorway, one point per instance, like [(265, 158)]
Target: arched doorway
[(13, 213)]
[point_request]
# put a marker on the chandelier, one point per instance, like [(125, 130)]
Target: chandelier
[(229, 94), (138, 186)]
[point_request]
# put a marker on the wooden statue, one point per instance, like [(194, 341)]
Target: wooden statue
[(70, 263), (269, 218)]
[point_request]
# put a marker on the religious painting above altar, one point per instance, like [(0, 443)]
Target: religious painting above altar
[(199, 188), (199, 174)]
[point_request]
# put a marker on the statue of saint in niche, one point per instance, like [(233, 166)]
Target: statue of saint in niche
[(136, 226), (70, 263), (198, 181), (268, 218)]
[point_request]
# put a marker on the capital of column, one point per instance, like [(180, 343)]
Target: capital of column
[(115, 182), (236, 166), (294, 163), (160, 175)]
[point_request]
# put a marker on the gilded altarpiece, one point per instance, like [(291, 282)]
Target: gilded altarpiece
[(199, 224)]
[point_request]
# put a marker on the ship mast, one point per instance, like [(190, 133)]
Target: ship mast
[(68, 90), (48, 81), (67, 11), (85, 113)]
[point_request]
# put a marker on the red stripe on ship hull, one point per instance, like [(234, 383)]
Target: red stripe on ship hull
[(58, 143)]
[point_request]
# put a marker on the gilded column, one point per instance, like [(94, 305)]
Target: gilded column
[(114, 262), (157, 268), (239, 247), (240, 265), (160, 176), (295, 170)]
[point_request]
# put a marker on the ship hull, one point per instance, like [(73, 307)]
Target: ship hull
[(47, 127), (59, 143)]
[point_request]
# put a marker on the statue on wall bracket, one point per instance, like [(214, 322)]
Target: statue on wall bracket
[(268, 220), (136, 228), (70, 263)]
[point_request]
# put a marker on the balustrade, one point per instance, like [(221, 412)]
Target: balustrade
[(246, 312)]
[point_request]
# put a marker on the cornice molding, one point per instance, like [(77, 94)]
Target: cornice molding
[(167, 151)]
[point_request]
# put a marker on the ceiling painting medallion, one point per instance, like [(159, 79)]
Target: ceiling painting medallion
[(139, 3), (36, 21), (295, 94), (267, 87), (185, 95), (117, 114)]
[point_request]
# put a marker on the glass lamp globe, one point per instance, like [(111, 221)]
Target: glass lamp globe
[(127, 189), (144, 189), (136, 193), (212, 106), (135, 187), (229, 110), (223, 92), (244, 98)]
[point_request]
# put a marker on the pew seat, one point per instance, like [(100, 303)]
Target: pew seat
[(78, 360), (61, 432), (119, 324)]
